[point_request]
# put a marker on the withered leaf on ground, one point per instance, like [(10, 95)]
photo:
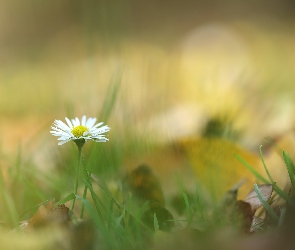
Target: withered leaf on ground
[(253, 200), (235, 212), (144, 186), (245, 215), (46, 215), (257, 224)]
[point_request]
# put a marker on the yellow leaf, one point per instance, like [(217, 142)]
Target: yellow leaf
[(216, 167)]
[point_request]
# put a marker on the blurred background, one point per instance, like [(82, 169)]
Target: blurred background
[(169, 68)]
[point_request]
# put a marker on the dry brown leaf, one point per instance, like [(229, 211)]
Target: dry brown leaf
[(256, 225), (46, 215), (252, 198), (236, 212), (245, 215)]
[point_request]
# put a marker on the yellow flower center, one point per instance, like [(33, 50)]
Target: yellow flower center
[(79, 131)]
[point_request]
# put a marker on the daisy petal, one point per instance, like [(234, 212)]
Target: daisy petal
[(62, 125), (77, 121), (97, 125), (63, 142), (90, 122), (69, 122), (83, 120), (101, 130)]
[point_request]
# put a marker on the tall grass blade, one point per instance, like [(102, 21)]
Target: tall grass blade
[(187, 206), (100, 225), (290, 167), (110, 97), (11, 208), (65, 199), (111, 214), (282, 216), (141, 211), (105, 188), (156, 223), (8, 201), (265, 203), (279, 191), (94, 198), (38, 205), (256, 174), (264, 165)]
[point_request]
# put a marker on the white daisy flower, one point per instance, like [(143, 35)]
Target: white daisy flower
[(76, 130)]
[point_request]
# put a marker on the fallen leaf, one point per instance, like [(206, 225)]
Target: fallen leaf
[(215, 166), (46, 215), (245, 215), (257, 224), (253, 200)]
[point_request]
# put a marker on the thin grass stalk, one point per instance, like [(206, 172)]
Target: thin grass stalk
[(83, 206), (93, 195), (264, 165)]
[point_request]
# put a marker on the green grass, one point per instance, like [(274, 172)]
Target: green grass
[(118, 224), (116, 221)]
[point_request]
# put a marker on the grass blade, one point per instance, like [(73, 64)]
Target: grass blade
[(38, 205), (110, 97), (65, 199), (9, 202), (257, 175), (187, 207), (11, 208), (265, 203), (279, 191), (156, 223), (266, 170), (290, 167)]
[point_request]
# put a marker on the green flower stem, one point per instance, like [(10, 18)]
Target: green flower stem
[(79, 144)]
